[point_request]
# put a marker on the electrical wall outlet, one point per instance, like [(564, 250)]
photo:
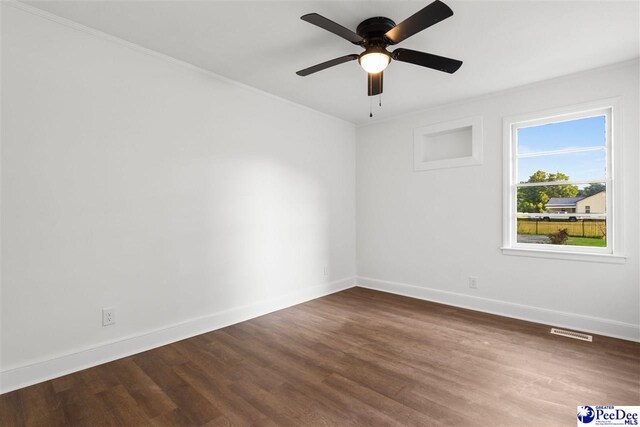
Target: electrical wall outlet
[(108, 316), (473, 282)]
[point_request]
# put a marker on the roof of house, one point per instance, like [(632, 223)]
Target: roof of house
[(563, 201)]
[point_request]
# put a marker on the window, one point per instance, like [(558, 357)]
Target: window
[(559, 185)]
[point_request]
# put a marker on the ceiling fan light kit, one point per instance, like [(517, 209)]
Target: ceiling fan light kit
[(376, 34), (374, 62)]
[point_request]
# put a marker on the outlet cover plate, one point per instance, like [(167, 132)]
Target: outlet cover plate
[(108, 316)]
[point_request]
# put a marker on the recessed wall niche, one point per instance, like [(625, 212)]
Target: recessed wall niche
[(448, 145)]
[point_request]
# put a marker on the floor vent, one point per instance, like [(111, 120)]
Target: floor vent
[(571, 334)]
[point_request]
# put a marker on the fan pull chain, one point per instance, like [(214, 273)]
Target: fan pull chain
[(371, 106), (380, 101)]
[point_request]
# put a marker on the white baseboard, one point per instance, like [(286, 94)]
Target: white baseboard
[(595, 325), (23, 376)]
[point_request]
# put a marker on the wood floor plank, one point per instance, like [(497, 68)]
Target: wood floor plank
[(191, 403), (147, 394), (41, 406), (402, 414), (237, 410), (83, 408), (174, 418), (11, 409), (353, 412), (123, 407), (355, 358), (221, 421), (98, 378)]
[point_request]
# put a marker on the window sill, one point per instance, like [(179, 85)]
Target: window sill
[(572, 256)]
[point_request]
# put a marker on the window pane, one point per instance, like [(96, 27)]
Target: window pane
[(588, 132), (562, 215), (581, 166), (561, 200)]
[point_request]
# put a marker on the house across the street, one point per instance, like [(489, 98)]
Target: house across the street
[(596, 203)]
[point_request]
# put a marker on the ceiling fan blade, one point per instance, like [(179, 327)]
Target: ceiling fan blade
[(374, 83), (333, 27), (327, 64), (428, 60), (428, 16)]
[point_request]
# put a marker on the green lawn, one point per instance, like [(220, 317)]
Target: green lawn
[(586, 241)]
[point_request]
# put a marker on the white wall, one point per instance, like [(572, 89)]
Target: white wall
[(166, 192), (424, 233)]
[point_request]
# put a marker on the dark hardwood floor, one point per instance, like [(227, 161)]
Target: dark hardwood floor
[(358, 357)]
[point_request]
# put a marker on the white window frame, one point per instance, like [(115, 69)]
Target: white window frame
[(613, 253)]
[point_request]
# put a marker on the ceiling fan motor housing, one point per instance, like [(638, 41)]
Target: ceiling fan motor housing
[(372, 30)]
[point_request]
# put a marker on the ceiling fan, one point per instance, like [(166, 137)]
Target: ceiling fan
[(376, 34)]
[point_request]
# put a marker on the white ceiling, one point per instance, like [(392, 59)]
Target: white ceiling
[(503, 45)]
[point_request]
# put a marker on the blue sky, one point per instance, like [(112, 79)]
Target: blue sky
[(588, 132)]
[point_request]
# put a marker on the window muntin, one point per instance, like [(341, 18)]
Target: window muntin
[(558, 165)]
